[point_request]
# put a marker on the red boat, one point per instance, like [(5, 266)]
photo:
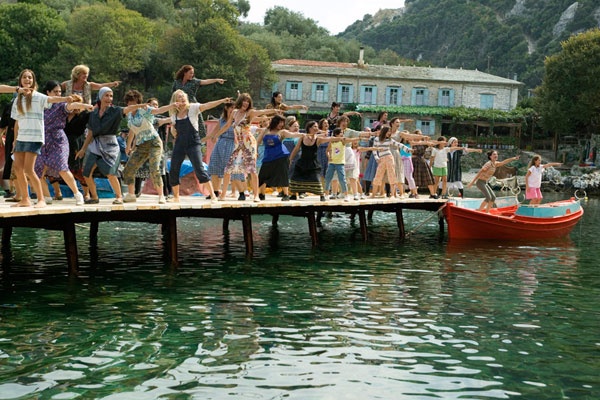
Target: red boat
[(514, 222)]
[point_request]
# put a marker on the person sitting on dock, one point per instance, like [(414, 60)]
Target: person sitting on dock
[(101, 149), (484, 175)]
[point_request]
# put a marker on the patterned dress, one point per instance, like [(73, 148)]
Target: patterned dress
[(55, 151), (221, 153), (243, 157)]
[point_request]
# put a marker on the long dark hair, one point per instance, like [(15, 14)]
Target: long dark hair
[(383, 132), (28, 97), (275, 121), (50, 85), (275, 94)]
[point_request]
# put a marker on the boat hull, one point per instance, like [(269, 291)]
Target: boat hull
[(506, 223)]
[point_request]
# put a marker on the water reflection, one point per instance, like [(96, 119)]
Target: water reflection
[(418, 319)]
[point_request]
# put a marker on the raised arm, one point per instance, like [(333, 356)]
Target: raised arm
[(211, 81), (504, 162), (213, 104), (98, 86), (60, 99), (79, 106), (134, 107)]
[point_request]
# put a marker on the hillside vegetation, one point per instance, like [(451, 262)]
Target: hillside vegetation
[(507, 38)]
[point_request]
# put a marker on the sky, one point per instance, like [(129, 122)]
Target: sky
[(333, 15)]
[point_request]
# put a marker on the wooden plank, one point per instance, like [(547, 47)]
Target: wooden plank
[(6, 235), (247, 228), (70, 239), (400, 222), (312, 228), (170, 229), (362, 218)]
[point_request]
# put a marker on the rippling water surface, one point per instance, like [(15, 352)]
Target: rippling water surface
[(418, 319)]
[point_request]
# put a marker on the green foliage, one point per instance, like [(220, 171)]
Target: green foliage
[(279, 19), (30, 37), (569, 98), (110, 39), (489, 35), (456, 114), (152, 9)]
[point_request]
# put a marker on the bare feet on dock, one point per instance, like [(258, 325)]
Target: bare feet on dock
[(22, 204), (173, 200), (40, 204)]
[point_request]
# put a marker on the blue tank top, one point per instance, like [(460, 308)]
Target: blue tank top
[(404, 153), (274, 148)]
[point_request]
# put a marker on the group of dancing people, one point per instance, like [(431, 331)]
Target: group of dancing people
[(60, 134)]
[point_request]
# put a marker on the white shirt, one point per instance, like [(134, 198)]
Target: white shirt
[(441, 157), (193, 112), (534, 180), (31, 123)]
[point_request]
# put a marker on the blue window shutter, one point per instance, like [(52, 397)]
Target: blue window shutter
[(425, 97), (418, 124), (413, 99), (313, 92), (339, 94), (399, 96), (432, 127), (351, 96), (451, 97), (274, 88), (288, 88), (361, 99), (374, 101), (440, 94), (388, 93), (300, 93), (326, 93)]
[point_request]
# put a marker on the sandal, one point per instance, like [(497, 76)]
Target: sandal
[(117, 201)]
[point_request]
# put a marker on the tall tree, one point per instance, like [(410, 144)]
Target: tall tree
[(30, 36), (279, 19), (569, 97), (112, 40)]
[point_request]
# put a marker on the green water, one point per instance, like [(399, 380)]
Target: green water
[(420, 319)]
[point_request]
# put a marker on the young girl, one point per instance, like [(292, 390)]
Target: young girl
[(533, 179), (439, 162), (385, 160), (336, 153), (484, 175), (28, 112)]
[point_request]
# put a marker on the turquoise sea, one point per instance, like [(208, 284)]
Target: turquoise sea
[(389, 319)]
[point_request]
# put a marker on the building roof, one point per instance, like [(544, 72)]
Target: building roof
[(352, 70)]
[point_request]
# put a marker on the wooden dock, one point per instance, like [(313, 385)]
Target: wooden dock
[(64, 215)]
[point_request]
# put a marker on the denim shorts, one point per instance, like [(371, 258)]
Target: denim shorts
[(28, 147)]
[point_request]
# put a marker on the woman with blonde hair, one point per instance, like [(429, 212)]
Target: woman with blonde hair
[(184, 120), (78, 84)]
